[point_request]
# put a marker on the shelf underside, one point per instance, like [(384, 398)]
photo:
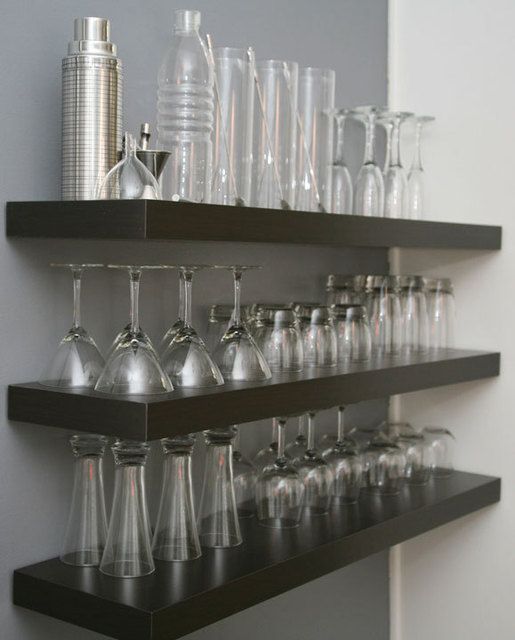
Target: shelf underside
[(162, 220), (182, 597), (186, 411)]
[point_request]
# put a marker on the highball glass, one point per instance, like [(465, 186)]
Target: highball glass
[(415, 318), (441, 313), (282, 346), (417, 451), (384, 466), (385, 314), (320, 342)]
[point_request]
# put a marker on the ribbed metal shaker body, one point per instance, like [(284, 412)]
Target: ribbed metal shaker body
[(91, 121)]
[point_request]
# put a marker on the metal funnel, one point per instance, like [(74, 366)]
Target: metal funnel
[(154, 160)]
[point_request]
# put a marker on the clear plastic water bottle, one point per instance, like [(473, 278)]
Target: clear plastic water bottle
[(185, 111)]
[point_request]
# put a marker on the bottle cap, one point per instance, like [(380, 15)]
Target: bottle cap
[(187, 20)]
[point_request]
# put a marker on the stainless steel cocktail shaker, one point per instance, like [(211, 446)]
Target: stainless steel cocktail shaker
[(92, 109)]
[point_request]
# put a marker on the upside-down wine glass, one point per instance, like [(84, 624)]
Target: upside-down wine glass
[(386, 122), (133, 366), (341, 178), (268, 454), (175, 535), (416, 195), (77, 361), (297, 448), (279, 489), (86, 531), (396, 181), (316, 475), (346, 465), (369, 188), (245, 478), (218, 523), (237, 355), (186, 360)]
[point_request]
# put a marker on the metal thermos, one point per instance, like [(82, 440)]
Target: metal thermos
[(92, 109)]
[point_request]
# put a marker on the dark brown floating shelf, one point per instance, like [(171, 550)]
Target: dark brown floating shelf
[(162, 220), (182, 597), (186, 411)]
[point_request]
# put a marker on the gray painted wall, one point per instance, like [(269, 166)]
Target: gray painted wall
[(35, 464)]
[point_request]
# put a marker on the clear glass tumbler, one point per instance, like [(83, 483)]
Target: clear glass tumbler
[(385, 314), (273, 180), (234, 121), (442, 444), (86, 531), (320, 342), (128, 550), (175, 535), (441, 313), (384, 466), (357, 329), (282, 347), (417, 451), (218, 523), (315, 139), (345, 289), (415, 317)]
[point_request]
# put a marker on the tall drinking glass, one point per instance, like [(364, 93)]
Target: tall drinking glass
[(315, 139), (416, 196), (369, 187), (396, 180), (232, 136), (441, 313), (385, 314), (273, 180), (341, 201), (415, 318)]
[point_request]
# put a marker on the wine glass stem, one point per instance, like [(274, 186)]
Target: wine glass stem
[(237, 439), (395, 157), (388, 148), (275, 430), (341, 423), (370, 133), (237, 297), (77, 277), (280, 437), (135, 276), (340, 130), (302, 420), (311, 431), (181, 296), (417, 157), (188, 282)]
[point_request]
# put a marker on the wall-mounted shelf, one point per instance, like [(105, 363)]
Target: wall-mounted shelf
[(162, 220), (182, 597), (185, 411)]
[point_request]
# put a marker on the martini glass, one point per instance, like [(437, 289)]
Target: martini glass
[(133, 365), (179, 323), (346, 465), (316, 475), (369, 188), (395, 180), (186, 359), (237, 355), (416, 204), (77, 361), (341, 179), (279, 489)]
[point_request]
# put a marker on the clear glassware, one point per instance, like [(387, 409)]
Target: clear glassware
[(129, 179), (396, 180), (297, 448), (416, 192), (279, 489), (320, 343), (303, 311), (234, 122), (369, 187), (441, 313), (217, 324), (346, 465), (339, 316), (360, 337), (237, 355), (282, 346), (345, 289), (385, 314), (395, 430), (340, 179), (133, 365), (384, 466), (128, 550), (273, 182), (386, 122), (415, 317), (77, 361), (245, 478), (185, 112), (218, 523), (175, 536), (315, 139), (178, 324), (316, 475), (417, 452), (268, 454), (187, 360), (442, 445), (86, 531)]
